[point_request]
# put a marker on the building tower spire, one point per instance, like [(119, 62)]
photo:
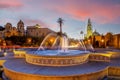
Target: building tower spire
[(20, 27), (89, 29)]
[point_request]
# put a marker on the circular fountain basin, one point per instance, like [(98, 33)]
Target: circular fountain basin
[(57, 52), (57, 58)]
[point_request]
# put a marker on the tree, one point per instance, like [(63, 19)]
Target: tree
[(60, 21)]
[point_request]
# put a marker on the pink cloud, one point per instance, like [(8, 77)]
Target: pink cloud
[(101, 11), (10, 3), (81, 10)]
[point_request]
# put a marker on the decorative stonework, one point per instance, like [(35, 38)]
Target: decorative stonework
[(19, 54), (66, 60), (56, 60), (100, 57), (114, 71)]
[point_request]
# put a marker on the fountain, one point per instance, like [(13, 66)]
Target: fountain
[(59, 44), (60, 38), (59, 63), (59, 53)]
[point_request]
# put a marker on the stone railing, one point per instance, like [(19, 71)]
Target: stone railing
[(56, 60), (19, 53), (115, 54), (66, 60), (114, 71), (100, 57), (2, 62)]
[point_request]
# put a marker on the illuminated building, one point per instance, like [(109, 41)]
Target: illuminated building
[(108, 40), (9, 30), (89, 29), (37, 31)]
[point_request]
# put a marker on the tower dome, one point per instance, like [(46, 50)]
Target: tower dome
[(20, 22), (8, 26), (89, 29), (20, 27), (95, 33)]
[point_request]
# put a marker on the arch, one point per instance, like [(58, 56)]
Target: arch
[(97, 44)]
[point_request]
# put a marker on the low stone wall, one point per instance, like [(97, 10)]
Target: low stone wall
[(2, 62), (19, 53), (12, 75), (56, 60), (114, 71), (115, 54), (66, 60), (100, 57)]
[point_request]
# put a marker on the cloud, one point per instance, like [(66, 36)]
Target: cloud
[(102, 11), (10, 3)]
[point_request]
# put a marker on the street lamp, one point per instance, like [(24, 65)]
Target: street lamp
[(51, 40), (82, 34), (4, 46), (90, 40), (103, 41)]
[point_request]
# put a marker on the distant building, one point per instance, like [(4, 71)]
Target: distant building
[(105, 41), (95, 33), (37, 31), (98, 40), (9, 30)]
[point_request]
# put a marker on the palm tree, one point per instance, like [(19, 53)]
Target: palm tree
[(60, 21)]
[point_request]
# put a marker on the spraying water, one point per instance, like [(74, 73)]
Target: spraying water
[(41, 45), (83, 45)]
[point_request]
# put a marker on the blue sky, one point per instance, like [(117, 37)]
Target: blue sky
[(104, 14)]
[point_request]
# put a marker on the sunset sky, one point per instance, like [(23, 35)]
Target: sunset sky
[(104, 14)]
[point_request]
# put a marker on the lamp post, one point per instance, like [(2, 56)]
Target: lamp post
[(82, 34), (29, 40), (102, 41), (4, 46), (90, 40), (51, 41)]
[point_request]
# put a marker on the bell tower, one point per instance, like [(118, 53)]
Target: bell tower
[(20, 27), (89, 29)]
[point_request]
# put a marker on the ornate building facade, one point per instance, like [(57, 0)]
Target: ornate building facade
[(9, 30), (19, 30), (108, 40), (37, 31)]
